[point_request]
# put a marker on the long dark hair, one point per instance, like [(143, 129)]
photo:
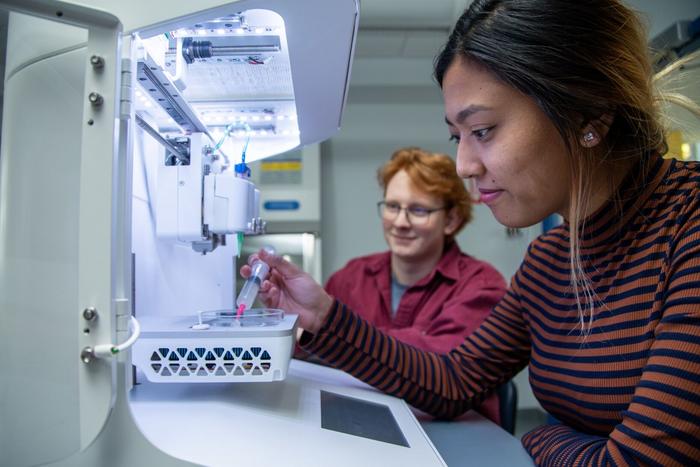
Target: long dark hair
[(581, 61)]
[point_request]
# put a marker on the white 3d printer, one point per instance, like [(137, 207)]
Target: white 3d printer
[(124, 193)]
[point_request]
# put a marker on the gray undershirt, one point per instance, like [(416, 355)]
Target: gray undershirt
[(397, 291)]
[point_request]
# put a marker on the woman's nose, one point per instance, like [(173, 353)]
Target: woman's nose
[(468, 163)]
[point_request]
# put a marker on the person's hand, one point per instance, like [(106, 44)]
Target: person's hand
[(289, 288)]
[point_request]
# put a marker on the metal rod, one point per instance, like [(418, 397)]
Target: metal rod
[(243, 49), (179, 153)]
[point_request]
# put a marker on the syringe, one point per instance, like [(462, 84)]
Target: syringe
[(259, 272)]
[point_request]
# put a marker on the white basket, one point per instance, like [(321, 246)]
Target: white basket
[(169, 350)]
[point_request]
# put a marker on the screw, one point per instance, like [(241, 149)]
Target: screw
[(97, 62), (87, 354), (95, 99), (89, 313)]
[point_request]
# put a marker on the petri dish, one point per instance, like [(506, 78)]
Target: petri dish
[(253, 317)]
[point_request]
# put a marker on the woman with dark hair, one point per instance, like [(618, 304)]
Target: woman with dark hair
[(552, 105)]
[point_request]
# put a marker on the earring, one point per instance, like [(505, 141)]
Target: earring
[(589, 137)]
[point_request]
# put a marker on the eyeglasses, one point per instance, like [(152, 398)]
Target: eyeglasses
[(416, 215)]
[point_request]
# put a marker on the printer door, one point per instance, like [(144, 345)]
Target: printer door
[(57, 230)]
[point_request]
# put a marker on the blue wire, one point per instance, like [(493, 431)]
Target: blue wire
[(242, 167), (226, 134), (245, 148)]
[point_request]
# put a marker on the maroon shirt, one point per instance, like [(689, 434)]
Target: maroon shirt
[(434, 314)]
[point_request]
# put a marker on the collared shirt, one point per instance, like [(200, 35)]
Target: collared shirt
[(436, 313)]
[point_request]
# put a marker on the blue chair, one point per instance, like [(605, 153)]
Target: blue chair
[(508, 405)]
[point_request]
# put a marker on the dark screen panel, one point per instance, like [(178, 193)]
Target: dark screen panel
[(360, 418)]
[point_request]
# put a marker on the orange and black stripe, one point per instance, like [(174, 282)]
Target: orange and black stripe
[(627, 393)]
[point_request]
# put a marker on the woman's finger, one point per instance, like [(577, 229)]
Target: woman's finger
[(253, 258), (284, 267)]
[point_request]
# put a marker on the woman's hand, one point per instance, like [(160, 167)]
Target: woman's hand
[(289, 288)]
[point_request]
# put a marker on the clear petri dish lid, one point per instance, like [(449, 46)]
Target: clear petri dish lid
[(253, 317)]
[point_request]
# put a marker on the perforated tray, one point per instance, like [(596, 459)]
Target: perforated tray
[(170, 350)]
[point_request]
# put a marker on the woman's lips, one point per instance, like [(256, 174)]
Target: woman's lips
[(489, 196)]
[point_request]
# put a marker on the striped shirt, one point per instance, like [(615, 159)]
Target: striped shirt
[(628, 393)]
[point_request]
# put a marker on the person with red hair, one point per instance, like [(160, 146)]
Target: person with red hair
[(424, 290)]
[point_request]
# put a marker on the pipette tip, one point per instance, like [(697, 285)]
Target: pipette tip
[(240, 310)]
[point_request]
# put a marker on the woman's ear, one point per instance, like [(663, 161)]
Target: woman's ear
[(452, 221), (595, 130)]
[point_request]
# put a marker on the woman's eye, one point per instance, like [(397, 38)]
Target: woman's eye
[(482, 133), (455, 139)]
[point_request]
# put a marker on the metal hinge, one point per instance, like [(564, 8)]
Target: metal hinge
[(125, 102)]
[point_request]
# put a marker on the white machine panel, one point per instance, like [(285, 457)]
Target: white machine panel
[(179, 200), (231, 203), (174, 350)]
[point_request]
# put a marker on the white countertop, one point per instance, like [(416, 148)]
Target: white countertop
[(265, 424)]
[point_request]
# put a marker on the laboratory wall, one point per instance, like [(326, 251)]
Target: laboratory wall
[(660, 15)]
